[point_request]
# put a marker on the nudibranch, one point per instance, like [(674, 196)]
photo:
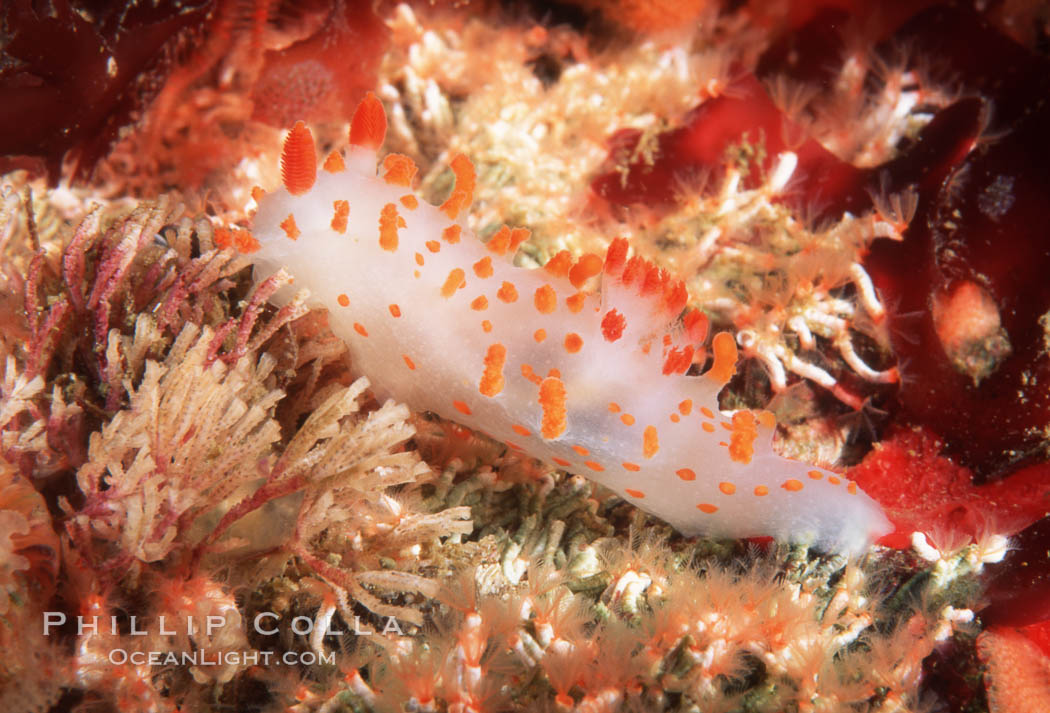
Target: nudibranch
[(593, 380)]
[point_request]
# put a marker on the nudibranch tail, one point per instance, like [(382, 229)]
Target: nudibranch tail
[(583, 363)]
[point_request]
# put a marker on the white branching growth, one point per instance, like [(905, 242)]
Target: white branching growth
[(194, 433)]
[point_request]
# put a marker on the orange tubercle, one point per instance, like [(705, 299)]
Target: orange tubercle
[(650, 442), (492, 378), (463, 191), (290, 228), (453, 282), (545, 299), (552, 400), (586, 267), (724, 347), (389, 221), (400, 170), (340, 216), (333, 163)]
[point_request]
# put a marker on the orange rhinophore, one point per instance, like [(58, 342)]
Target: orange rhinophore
[(368, 125), (299, 160)]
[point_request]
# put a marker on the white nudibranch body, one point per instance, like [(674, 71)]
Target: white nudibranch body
[(593, 381)]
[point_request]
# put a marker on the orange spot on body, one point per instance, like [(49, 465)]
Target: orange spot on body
[(463, 191), (451, 235), (761, 490), (707, 412), (725, 358), (792, 485), (528, 373), (727, 488), (483, 267), (613, 324), (462, 408), (675, 418), (408, 361), (614, 407), (400, 170), (333, 163), (258, 194), (298, 160), (686, 473), (340, 216), (290, 228), (552, 399), (507, 293), (851, 488), (433, 246), (627, 419), (815, 474), (521, 430), (833, 480), (486, 325), (707, 507), (633, 467), (742, 442), (575, 302), (368, 125), (685, 407), (419, 259), (395, 311), (409, 201), (573, 343), (581, 450), (480, 304), (545, 299), (634, 493), (650, 442), (492, 377), (360, 329), (709, 427), (453, 282), (388, 225), (539, 335), (562, 462), (343, 300), (594, 465)]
